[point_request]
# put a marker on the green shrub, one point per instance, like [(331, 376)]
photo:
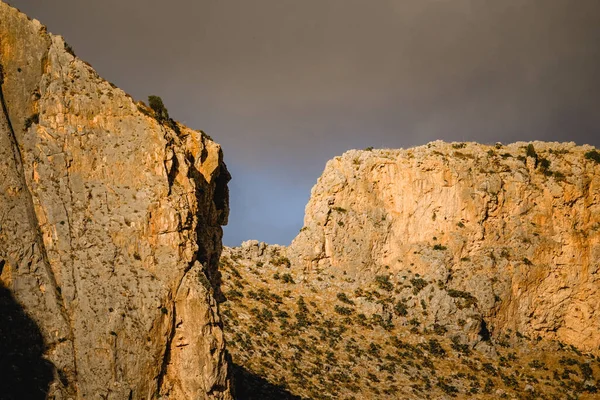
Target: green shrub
[(489, 386), (468, 298), (460, 347), (544, 165), (418, 284), (489, 368), (344, 299), (157, 105), (439, 247), (383, 281), (401, 309), (446, 387), (343, 310), (439, 329), (287, 278), (435, 348), (234, 294), (161, 114), (279, 261), (266, 315), (559, 176), (530, 152), (374, 349), (33, 119), (593, 155), (69, 49), (536, 364)]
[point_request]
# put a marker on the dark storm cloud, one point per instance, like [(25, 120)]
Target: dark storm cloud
[(285, 85)]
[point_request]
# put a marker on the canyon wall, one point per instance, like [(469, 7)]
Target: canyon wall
[(110, 227)]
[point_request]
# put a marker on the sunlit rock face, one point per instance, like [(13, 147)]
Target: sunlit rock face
[(515, 226), (110, 227)]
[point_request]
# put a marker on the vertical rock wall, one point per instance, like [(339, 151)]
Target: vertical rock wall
[(110, 227)]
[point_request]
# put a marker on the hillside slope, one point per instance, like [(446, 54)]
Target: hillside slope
[(300, 339)]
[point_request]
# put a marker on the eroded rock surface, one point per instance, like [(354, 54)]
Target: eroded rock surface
[(517, 229), (110, 227)]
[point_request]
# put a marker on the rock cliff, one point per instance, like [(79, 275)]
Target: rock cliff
[(110, 227), (517, 227), (446, 270)]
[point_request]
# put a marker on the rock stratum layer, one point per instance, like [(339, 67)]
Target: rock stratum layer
[(515, 227), (110, 228)]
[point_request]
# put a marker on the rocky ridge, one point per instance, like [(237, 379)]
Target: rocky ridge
[(110, 228)]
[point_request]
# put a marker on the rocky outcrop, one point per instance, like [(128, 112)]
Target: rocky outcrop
[(110, 227), (517, 227)]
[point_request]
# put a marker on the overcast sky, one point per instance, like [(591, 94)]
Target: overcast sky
[(285, 85)]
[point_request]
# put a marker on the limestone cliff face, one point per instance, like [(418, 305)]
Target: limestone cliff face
[(109, 227), (518, 230)]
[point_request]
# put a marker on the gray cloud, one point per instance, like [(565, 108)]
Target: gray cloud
[(285, 85)]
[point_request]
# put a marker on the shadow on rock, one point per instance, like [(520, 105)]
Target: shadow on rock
[(24, 373), (249, 386)]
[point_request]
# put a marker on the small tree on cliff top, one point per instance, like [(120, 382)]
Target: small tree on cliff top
[(156, 104)]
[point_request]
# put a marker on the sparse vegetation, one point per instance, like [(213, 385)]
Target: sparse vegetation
[(344, 299), (418, 284), (321, 343), (32, 119), (69, 49), (530, 151), (383, 281), (281, 261), (287, 278), (468, 298), (339, 209), (161, 113), (593, 155), (544, 166), (157, 105)]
